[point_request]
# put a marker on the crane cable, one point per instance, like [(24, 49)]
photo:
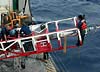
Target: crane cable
[(24, 6)]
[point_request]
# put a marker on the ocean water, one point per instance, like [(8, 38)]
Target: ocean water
[(82, 59)]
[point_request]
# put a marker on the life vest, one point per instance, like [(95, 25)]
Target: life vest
[(83, 26)]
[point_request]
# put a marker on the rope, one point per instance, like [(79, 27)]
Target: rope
[(24, 6), (93, 28)]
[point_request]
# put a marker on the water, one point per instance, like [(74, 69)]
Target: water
[(85, 58)]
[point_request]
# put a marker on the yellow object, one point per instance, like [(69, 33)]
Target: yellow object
[(65, 44)]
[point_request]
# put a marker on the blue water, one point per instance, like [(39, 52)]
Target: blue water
[(85, 58)]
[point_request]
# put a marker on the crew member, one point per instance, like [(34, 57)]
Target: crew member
[(25, 31), (82, 26), (4, 33)]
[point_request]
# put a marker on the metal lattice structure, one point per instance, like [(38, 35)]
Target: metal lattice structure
[(38, 42)]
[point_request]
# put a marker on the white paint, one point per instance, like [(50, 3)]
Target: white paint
[(0, 19), (7, 4), (21, 6)]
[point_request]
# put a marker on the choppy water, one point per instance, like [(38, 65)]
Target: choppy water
[(89, 58)]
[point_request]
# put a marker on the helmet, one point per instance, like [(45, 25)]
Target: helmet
[(81, 17), (12, 32)]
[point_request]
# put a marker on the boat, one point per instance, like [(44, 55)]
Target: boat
[(40, 39)]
